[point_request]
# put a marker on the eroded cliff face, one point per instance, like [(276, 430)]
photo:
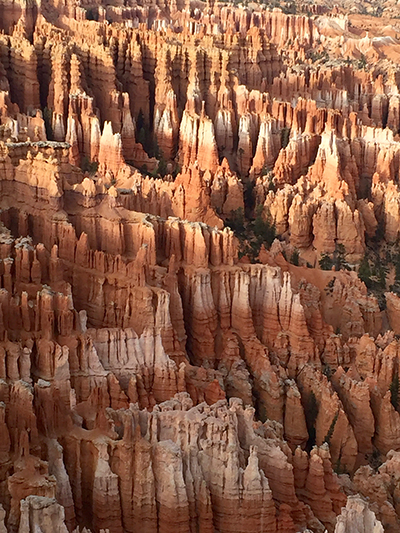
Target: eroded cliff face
[(152, 378), (149, 378), (141, 91)]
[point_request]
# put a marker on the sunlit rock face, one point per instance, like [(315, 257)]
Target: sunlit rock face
[(191, 199)]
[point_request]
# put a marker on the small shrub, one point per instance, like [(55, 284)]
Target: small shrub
[(339, 258), (394, 391), (311, 412), (294, 258), (312, 409), (145, 137), (328, 371), (338, 468), (176, 171), (92, 14), (364, 272), (362, 63), (248, 196), (47, 117), (236, 222), (331, 429), (264, 229), (89, 166), (397, 267), (374, 460), (161, 169), (326, 262)]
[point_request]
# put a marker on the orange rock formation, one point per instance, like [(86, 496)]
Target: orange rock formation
[(154, 376)]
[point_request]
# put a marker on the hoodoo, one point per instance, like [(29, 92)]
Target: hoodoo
[(199, 267)]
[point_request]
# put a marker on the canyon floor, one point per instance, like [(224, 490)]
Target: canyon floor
[(199, 267)]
